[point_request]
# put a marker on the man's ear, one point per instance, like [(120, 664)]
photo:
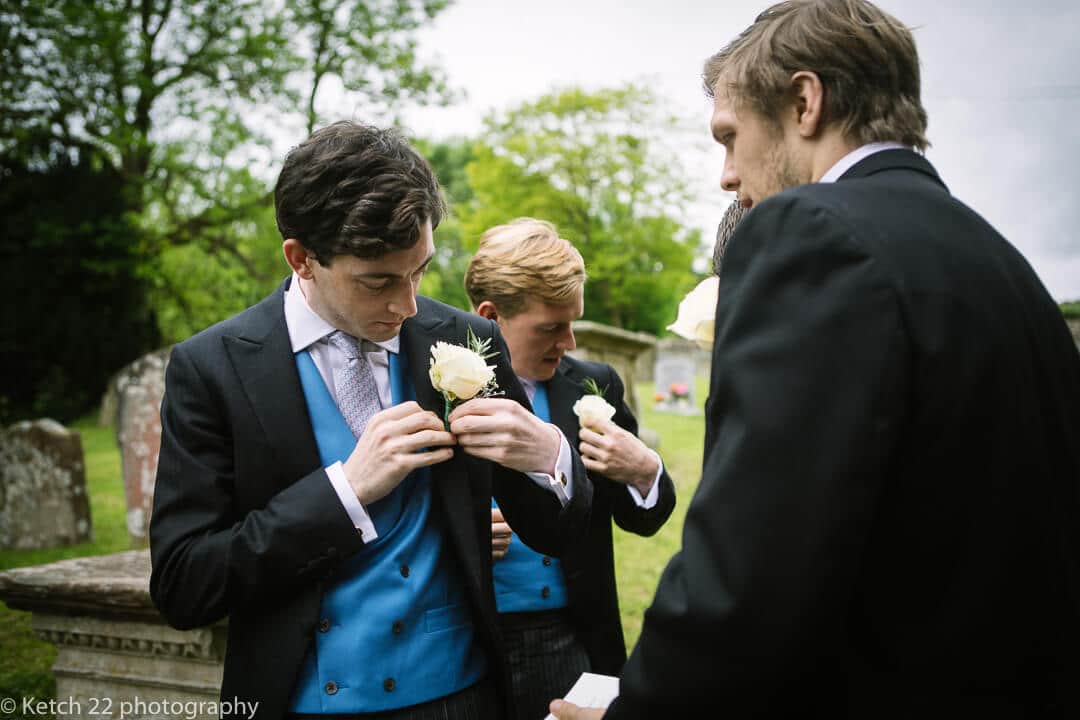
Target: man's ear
[(298, 257), (488, 310), (809, 99)]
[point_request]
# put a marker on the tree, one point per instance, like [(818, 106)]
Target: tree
[(594, 164), (178, 97)]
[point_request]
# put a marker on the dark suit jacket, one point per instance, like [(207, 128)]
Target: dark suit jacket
[(589, 568), (886, 524), (247, 525)]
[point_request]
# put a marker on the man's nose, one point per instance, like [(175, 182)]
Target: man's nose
[(730, 179), (567, 341), (403, 303)]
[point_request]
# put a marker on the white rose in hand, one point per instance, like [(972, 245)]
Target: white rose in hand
[(697, 313), (458, 372), (593, 410)]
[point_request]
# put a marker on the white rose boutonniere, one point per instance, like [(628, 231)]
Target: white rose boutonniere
[(462, 373), (592, 408), (697, 313)]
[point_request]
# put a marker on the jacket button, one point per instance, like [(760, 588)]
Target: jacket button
[(404, 571), (398, 627), (545, 592), (324, 625), (547, 561), (331, 688), (388, 684)]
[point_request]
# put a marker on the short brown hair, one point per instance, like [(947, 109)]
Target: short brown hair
[(866, 60), (523, 259), (354, 189)]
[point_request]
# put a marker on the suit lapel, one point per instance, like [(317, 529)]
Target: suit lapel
[(450, 480), (564, 389), (263, 360)]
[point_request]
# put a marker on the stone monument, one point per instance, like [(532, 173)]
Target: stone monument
[(43, 500)]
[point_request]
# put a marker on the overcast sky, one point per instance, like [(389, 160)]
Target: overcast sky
[(999, 84)]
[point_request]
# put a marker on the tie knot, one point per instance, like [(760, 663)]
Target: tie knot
[(345, 343)]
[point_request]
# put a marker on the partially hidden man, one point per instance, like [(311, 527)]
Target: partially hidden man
[(307, 487), (561, 617)]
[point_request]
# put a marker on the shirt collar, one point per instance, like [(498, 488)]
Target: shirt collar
[(307, 327), (860, 153)]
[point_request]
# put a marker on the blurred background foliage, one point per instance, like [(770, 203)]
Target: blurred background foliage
[(136, 173)]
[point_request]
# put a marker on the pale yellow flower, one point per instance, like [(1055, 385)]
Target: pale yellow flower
[(458, 372), (697, 313), (593, 410)]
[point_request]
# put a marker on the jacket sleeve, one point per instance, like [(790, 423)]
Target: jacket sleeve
[(808, 391), (209, 556), (627, 514)]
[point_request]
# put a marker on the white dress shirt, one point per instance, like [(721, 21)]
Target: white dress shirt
[(646, 503), (308, 331)]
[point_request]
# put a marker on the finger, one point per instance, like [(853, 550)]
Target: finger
[(563, 710), (396, 412), (478, 423), (590, 436), (421, 459), (500, 529), (594, 465), (414, 422), (483, 439), (483, 406), (593, 451), (424, 439), (496, 515)]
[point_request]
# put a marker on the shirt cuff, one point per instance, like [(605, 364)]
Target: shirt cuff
[(563, 482), (650, 500), (360, 519)]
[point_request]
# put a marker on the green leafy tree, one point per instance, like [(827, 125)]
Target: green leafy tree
[(445, 278), (595, 164), (178, 97)]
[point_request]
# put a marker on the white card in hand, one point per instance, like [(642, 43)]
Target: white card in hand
[(592, 690)]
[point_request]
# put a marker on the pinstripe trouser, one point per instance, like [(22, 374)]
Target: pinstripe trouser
[(545, 659)]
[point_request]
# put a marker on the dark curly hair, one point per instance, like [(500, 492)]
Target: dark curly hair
[(353, 189)]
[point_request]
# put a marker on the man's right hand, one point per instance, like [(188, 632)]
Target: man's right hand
[(500, 535), (392, 446)]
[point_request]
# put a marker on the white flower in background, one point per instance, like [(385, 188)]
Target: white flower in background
[(458, 372), (697, 313), (593, 410)]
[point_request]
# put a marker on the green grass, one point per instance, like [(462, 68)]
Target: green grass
[(640, 561), (25, 661)]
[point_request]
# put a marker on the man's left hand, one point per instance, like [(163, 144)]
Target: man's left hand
[(618, 455), (569, 711), (504, 432)]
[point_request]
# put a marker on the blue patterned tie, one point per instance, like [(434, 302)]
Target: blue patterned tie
[(357, 393)]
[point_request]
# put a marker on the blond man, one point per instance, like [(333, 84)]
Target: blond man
[(561, 618)]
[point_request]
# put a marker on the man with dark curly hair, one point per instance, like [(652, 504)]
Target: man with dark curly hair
[(307, 487)]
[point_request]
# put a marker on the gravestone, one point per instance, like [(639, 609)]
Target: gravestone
[(673, 379), (138, 391), (43, 501)]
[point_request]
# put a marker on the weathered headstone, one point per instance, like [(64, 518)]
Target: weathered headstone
[(139, 388), (43, 501), (673, 379)]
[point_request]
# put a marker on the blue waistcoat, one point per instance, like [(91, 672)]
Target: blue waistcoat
[(396, 629), (525, 580)]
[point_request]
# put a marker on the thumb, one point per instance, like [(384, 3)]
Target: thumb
[(563, 710)]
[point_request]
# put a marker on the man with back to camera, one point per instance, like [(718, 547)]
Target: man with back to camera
[(307, 489), (886, 524), (561, 617)]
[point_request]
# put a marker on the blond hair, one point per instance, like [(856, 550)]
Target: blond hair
[(866, 60), (523, 259)]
